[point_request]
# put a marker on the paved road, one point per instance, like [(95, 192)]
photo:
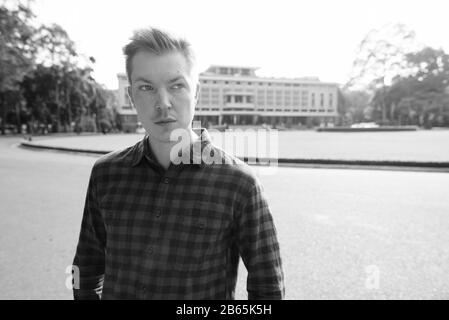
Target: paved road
[(422, 145), (344, 234)]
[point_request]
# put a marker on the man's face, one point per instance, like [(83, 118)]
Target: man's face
[(164, 92)]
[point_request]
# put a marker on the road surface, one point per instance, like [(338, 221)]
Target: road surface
[(344, 234)]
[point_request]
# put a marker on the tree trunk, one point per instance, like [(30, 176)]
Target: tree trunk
[(69, 110), (3, 106), (19, 120), (58, 110)]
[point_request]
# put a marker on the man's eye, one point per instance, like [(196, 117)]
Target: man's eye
[(146, 87), (178, 86)]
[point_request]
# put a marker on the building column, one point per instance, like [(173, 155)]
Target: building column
[(255, 118), (235, 119), (220, 119)]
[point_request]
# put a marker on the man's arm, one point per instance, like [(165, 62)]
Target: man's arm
[(259, 248), (90, 252)]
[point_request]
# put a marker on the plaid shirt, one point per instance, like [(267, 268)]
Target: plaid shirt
[(150, 233)]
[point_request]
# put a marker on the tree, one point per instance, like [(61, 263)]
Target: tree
[(380, 58), (17, 53), (355, 107), (63, 93), (42, 77), (422, 97)]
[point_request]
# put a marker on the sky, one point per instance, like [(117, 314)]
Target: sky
[(297, 38)]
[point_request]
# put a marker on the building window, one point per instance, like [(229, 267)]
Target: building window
[(313, 100), (321, 99), (228, 99), (278, 100), (238, 99), (304, 98), (331, 102)]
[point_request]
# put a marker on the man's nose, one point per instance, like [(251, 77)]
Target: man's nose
[(164, 99)]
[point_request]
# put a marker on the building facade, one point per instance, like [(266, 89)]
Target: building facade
[(231, 95)]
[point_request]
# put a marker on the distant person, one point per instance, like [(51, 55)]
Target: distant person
[(154, 229)]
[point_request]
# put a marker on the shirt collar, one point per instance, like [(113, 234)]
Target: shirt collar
[(143, 149)]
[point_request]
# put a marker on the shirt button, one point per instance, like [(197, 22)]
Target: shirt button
[(166, 180), (150, 250), (158, 213)]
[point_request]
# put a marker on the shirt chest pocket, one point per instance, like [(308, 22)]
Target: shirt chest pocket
[(200, 237)]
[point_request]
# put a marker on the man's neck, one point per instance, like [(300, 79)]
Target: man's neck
[(162, 149)]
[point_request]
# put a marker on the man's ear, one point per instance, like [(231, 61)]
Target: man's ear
[(130, 95)]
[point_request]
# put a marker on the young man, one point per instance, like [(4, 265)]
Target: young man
[(155, 228)]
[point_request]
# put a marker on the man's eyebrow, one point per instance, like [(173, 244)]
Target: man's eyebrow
[(176, 79), (143, 79)]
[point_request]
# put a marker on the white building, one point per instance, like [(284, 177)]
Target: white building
[(236, 95)]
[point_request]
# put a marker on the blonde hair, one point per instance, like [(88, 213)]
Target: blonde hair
[(158, 42)]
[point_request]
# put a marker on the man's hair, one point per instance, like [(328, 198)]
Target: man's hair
[(158, 42)]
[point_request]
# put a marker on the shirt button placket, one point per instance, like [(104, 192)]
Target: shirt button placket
[(143, 291)]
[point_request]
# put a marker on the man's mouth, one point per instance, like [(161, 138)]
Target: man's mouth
[(165, 121)]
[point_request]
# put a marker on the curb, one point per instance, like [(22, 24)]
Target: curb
[(329, 163), (44, 147)]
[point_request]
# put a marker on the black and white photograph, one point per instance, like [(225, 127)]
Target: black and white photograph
[(224, 150)]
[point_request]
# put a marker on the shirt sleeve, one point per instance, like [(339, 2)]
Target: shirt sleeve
[(259, 248), (89, 258)]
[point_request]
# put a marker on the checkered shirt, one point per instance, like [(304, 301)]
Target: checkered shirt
[(151, 233)]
